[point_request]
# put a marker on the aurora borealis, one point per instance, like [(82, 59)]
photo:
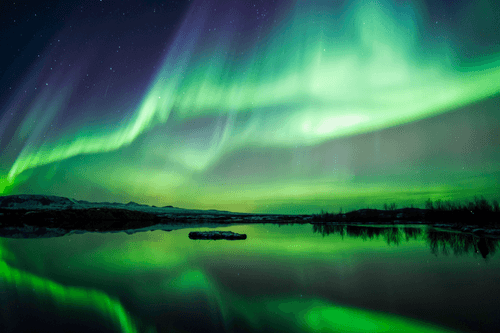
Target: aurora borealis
[(258, 106)]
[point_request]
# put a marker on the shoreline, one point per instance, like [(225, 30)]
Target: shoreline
[(35, 213), (61, 222)]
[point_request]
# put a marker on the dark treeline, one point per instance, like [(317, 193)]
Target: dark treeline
[(476, 212), (440, 242)]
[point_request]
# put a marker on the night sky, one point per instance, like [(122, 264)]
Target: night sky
[(251, 106)]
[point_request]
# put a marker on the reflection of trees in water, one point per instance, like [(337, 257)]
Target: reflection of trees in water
[(411, 233), (459, 243), (392, 235), (442, 242)]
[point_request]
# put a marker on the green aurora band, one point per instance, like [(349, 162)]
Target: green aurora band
[(385, 74)]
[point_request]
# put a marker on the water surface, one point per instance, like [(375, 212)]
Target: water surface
[(290, 278)]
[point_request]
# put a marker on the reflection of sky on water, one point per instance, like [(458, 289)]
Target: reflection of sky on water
[(308, 279)]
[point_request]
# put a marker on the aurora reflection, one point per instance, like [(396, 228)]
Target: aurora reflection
[(282, 277)]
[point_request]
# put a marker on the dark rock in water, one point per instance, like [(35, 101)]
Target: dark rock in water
[(216, 235)]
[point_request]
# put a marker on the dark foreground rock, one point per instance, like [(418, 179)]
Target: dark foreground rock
[(229, 235)]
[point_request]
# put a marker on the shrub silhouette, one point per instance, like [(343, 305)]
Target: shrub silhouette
[(478, 212)]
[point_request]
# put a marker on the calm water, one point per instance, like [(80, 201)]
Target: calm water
[(289, 278)]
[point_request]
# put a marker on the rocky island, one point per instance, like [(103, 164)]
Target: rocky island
[(215, 235)]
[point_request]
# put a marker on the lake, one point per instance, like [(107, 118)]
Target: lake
[(282, 278)]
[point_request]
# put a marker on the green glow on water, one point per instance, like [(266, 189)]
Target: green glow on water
[(320, 316), (288, 278), (64, 296), (191, 280), (294, 314)]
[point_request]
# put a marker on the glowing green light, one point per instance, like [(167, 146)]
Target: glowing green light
[(330, 86), (65, 296), (179, 276), (329, 318), (316, 315)]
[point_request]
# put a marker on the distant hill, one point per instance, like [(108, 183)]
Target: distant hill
[(48, 216)]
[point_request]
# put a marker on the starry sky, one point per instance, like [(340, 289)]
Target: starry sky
[(251, 106)]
